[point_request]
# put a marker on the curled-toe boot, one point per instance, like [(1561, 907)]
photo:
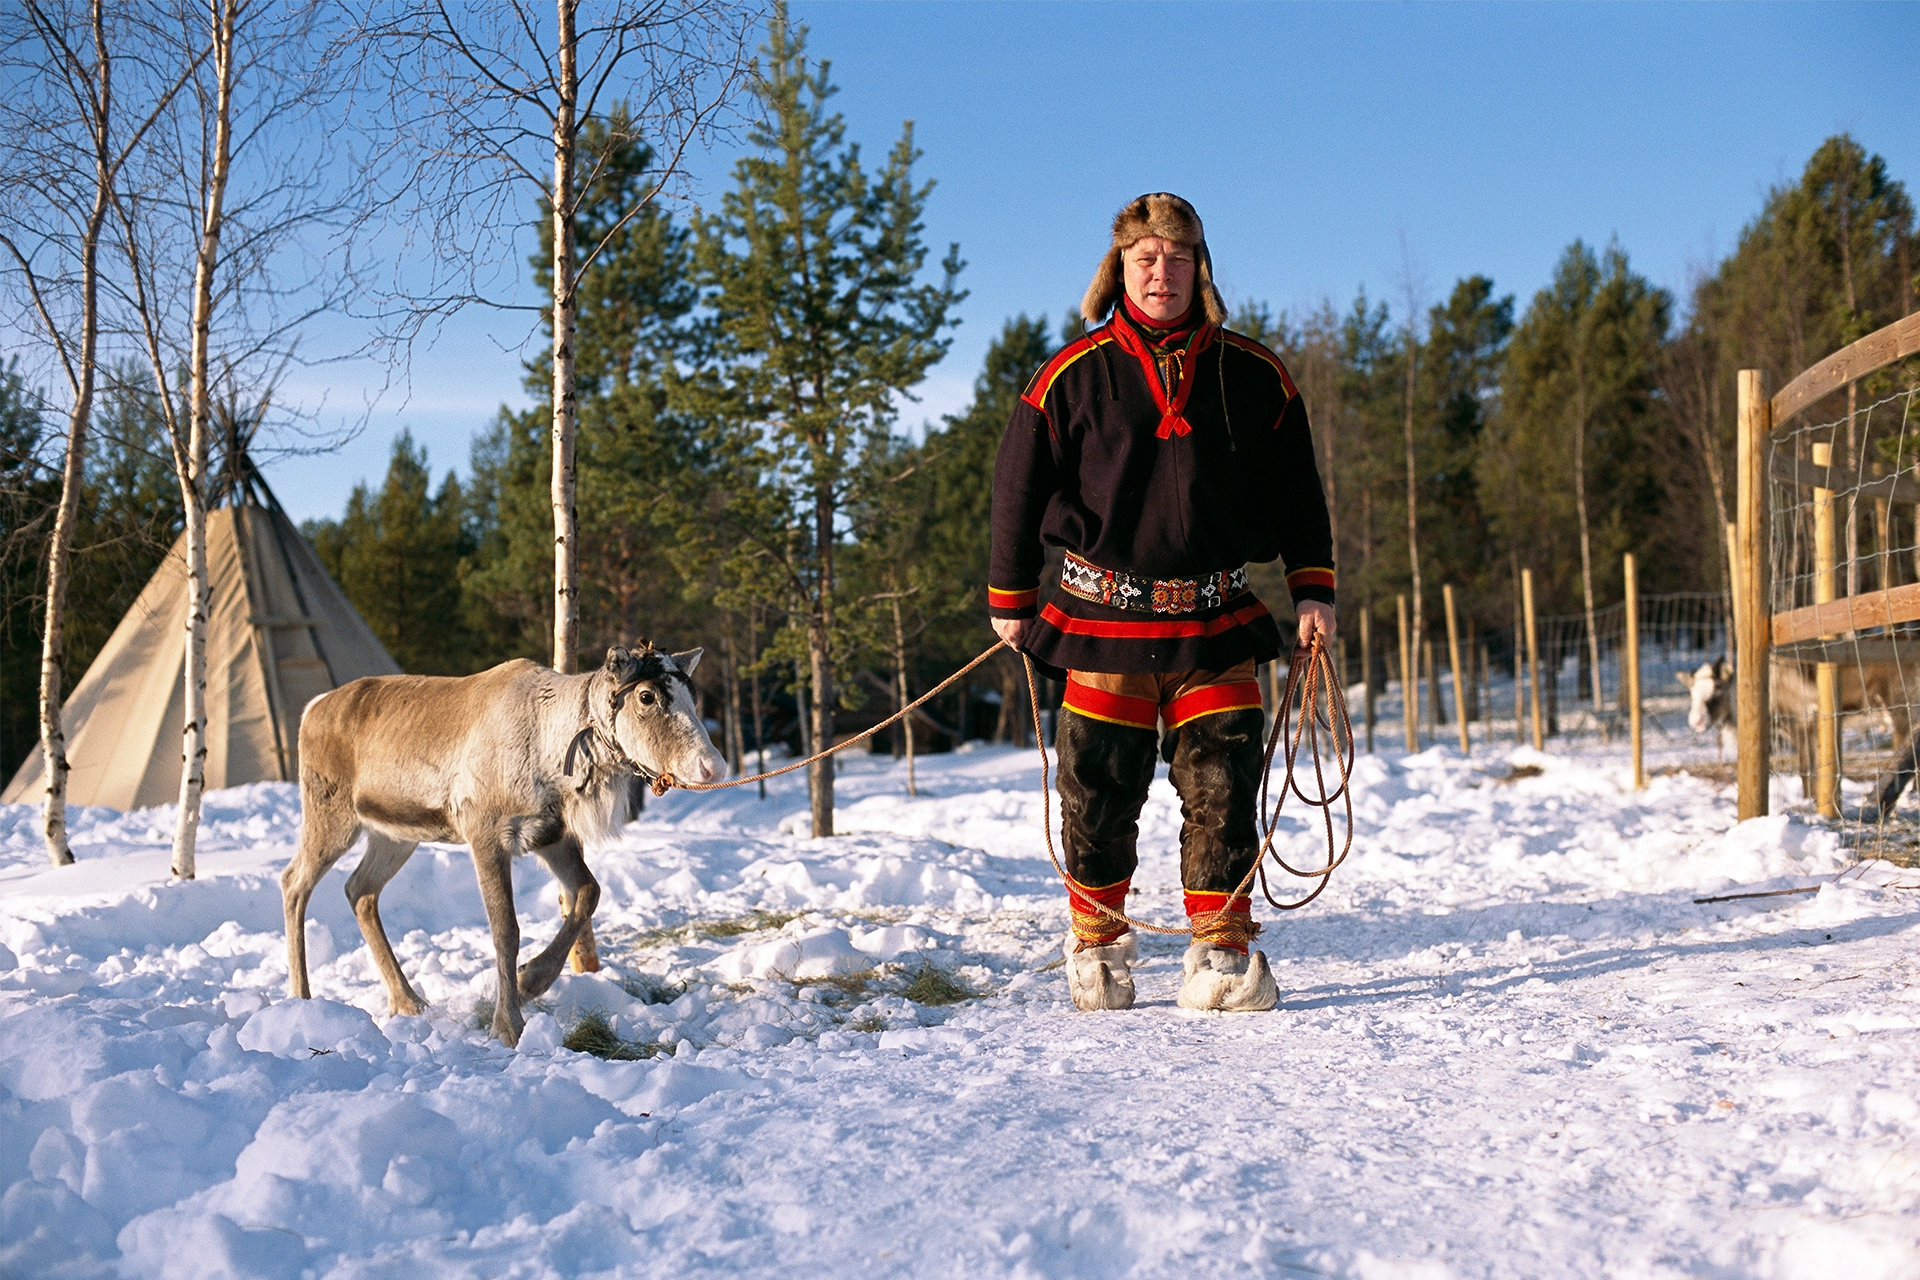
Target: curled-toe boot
[(1101, 977), (1227, 980)]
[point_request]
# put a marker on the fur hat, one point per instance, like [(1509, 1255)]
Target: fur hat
[(1161, 214)]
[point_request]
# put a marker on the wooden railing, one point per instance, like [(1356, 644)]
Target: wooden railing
[(1756, 628)]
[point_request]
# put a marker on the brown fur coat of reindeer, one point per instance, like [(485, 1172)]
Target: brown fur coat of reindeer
[(517, 759)]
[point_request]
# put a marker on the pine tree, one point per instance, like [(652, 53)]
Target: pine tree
[(397, 555), (818, 325), (1459, 392), (1579, 400)]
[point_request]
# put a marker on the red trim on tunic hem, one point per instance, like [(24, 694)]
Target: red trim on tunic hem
[(1115, 630)]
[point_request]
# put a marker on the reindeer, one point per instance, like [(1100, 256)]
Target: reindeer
[(1861, 686), (518, 759)]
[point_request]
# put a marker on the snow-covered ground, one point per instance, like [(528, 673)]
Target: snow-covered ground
[(1510, 1043)]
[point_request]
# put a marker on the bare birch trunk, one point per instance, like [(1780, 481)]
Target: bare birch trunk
[(803, 701), (905, 694), (759, 723), (736, 737), (193, 467), (1580, 500), (819, 651), (53, 736), (1413, 523), (566, 546)]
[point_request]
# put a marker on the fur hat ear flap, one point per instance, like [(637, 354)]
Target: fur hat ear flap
[(1210, 299), (1104, 293)]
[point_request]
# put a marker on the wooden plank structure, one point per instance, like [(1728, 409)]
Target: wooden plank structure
[(1824, 631)]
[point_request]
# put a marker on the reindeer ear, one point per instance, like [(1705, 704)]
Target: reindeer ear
[(618, 660), (687, 661), (1685, 682)]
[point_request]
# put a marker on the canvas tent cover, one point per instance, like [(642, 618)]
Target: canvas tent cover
[(280, 634)]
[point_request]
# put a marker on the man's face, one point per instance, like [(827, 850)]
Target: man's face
[(1159, 276)]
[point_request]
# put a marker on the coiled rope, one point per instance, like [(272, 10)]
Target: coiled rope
[(1312, 685)]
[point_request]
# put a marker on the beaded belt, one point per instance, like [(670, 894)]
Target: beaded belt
[(1139, 594)]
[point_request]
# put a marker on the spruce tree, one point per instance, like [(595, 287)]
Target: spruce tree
[(397, 555)]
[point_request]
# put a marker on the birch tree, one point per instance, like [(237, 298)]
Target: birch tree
[(488, 108), (65, 148), (223, 230)]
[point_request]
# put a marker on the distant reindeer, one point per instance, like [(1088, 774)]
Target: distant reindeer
[(1861, 686), (518, 759)]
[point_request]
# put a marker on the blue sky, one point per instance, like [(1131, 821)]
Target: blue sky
[(1316, 141)]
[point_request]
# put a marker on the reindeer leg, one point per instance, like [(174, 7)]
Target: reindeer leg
[(491, 864), (327, 830), (383, 858), (579, 895), (1893, 780), (585, 957)]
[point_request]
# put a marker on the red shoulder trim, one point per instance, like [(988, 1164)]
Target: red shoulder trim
[(1245, 343), (1036, 392)]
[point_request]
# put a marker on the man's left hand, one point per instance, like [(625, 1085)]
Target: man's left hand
[(1316, 619)]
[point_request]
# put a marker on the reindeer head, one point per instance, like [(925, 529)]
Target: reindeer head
[(1711, 689), (647, 702)]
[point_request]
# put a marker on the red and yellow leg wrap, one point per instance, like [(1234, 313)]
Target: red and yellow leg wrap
[(1211, 699), (1092, 927), (1221, 919), (1112, 707)]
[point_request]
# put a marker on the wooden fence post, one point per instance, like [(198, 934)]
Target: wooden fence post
[(1409, 684), (1826, 758), (1753, 572), (1633, 673), (1519, 680), (1533, 656), (1366, 669), (1453, 657)]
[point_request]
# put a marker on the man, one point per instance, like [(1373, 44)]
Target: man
[(1162, 453)]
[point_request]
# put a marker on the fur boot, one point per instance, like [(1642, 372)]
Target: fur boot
[(1101, 977), (1227, 980)]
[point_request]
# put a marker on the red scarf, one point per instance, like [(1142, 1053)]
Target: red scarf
[(1140, 336)]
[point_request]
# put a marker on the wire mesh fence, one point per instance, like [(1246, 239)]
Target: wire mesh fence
[(1583, 684), (1845, 678)]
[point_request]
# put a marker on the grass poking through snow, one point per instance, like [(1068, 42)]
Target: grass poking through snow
[(594, 1034), (933, 986)]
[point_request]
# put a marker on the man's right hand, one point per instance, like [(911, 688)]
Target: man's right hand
[(1012, 630)]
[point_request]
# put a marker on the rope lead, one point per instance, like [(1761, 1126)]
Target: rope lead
[(1311, 682)]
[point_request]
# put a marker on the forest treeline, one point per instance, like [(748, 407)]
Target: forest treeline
[(745, 484)]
